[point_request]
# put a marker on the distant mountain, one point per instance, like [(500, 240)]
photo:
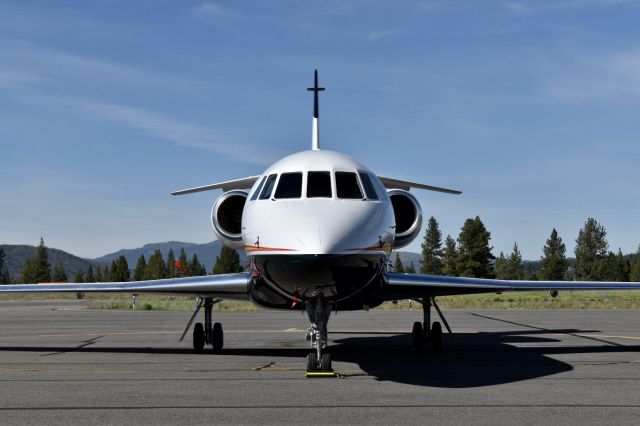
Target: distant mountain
[(18, 254), (206, 252)]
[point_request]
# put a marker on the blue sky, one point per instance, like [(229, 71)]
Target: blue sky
[(531, 108)]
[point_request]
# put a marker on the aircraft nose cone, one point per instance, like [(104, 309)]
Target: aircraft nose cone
[(337, 234)]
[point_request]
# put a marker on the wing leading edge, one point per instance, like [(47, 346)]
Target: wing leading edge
[(243, 183), (406, 286), (227, 286), (392, 183)]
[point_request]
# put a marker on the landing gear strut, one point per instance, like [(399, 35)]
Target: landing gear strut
[(207, 333), (426, 332), (319, 310)]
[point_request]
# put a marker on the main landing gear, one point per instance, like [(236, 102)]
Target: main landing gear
[(426, 332), (318, 362), (207, 333)]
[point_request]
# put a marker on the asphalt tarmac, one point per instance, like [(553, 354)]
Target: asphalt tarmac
[(63, 364)]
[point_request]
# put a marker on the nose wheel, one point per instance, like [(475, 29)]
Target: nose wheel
[(318, 362)]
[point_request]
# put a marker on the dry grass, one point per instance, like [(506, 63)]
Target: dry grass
[(515, 300)]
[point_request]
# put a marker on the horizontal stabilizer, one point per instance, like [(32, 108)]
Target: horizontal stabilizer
[(244, 183), (391, 183)]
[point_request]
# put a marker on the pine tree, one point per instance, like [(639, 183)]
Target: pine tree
[(4, 272), (89, 276), (79, 278), (59, 275), (411, 269), (634, 274), (474, 252), (195, 267), (156, 268), (123, 269), (615, 267), (591, 251), (432, 249), (183, 268), (113, 271), (141, 265), (624, 266), (554, 262), (28, 274), (228, 261), (450, 257), (397, 265), (514, 264), (171, 264), (501, 267), (98, 275), (42, 268)]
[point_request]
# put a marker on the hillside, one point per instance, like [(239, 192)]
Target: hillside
[(206, 252), (18, 254)]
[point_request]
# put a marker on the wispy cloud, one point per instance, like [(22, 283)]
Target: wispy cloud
[(45, 63), (614, 76), (378, 35), (549, 6), (66, 81), (158, 125), (212, 13), (11, 78)]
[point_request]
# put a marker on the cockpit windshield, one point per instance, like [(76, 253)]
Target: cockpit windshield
[(368, 186), (347, 186), (319, 185), (268, 187), (289, 186)]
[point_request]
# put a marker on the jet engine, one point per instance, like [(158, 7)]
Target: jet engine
[(408, 214), (226, 218)]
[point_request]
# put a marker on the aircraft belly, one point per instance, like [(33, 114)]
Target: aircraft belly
[(352, 280)]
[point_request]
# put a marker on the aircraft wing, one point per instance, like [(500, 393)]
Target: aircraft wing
[(243, 183), (224, 286), (391, 183), (408, 286)]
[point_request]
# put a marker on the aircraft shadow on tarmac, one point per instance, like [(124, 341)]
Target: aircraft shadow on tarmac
[(468, 359)]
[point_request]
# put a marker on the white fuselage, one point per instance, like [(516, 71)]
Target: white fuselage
[(324, 224), (318, 225)]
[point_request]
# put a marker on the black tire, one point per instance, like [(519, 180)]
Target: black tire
[(325, 362), (217, 337), (198, 338), (436, 337), (417, 337), (311, 361), (426, 333)]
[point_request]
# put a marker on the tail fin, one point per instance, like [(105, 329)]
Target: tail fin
[(315, 141)]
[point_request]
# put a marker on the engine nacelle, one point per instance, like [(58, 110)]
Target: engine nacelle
[(226, 218), (408, 214)]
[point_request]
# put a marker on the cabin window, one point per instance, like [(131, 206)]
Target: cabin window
[(319, 185), (347, 186), (257, 191), (368, 186), (289, 186), (268, 187)]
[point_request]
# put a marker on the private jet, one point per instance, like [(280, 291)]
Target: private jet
[(318, 228)]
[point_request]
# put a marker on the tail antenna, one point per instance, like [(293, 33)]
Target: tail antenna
[(315, 141)]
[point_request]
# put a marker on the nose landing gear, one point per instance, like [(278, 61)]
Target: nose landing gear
[(318, 362)]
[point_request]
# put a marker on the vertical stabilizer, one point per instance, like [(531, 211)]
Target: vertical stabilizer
[(315, 141)]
